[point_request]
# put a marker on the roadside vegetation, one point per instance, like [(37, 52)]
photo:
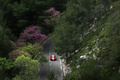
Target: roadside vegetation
[(24, 27), (85, 33)]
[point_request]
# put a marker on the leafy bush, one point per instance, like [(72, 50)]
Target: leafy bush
[(15, 53), (33, 49), (17, 77)]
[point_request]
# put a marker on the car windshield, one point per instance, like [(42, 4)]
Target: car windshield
[(53, 56)]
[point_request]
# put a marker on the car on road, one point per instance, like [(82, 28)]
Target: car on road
[(52, 57)]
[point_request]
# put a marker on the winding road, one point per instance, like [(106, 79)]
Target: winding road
[(54, 66)]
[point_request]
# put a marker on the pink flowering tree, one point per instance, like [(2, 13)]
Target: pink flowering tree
[(32, 34), (15, 53), (53, 17)]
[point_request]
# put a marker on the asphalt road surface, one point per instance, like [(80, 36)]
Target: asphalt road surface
[(54, 66)]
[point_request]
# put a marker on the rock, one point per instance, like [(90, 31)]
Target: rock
[(94, 56), (84, 57), (89, 52), (111, 7), (78, 66), (76, 50), (95, 19), (94, 29)]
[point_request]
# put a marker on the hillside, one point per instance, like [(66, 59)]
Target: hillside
[(88, 37)]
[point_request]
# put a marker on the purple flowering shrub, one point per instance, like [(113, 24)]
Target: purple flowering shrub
[(31, 34), (15, 53), (55, 15)]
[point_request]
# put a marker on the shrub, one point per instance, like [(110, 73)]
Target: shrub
[(17, 77), (33, 49), (31, 34), (15, 53)]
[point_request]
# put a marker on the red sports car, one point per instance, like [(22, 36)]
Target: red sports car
[(52, 57)]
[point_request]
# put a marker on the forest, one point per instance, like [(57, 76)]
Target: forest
[(77, 28), (24, 26)]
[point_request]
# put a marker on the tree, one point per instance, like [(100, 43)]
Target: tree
[(28, 67), (25, 13), (5, 45), (58, 4), (2, 22), (65, 38)]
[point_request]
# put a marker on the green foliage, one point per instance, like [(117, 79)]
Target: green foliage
[(5, 63), (28, 67), (51, 76), (115, 76), (43, 59), (58, 4), (64, 38), (88, 70), (10, 34), (82, 14), (2, 23), (15, 53), (5, 66), (25, 13), (33, 49), (17, 77), (5, 46)]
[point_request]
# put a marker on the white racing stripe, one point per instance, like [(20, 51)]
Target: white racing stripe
[(52, 57)]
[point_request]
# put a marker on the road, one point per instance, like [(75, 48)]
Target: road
[(54, 66)]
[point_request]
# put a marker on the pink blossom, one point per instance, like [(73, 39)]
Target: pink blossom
[(55, 15), (51, 9), (31, 34)]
